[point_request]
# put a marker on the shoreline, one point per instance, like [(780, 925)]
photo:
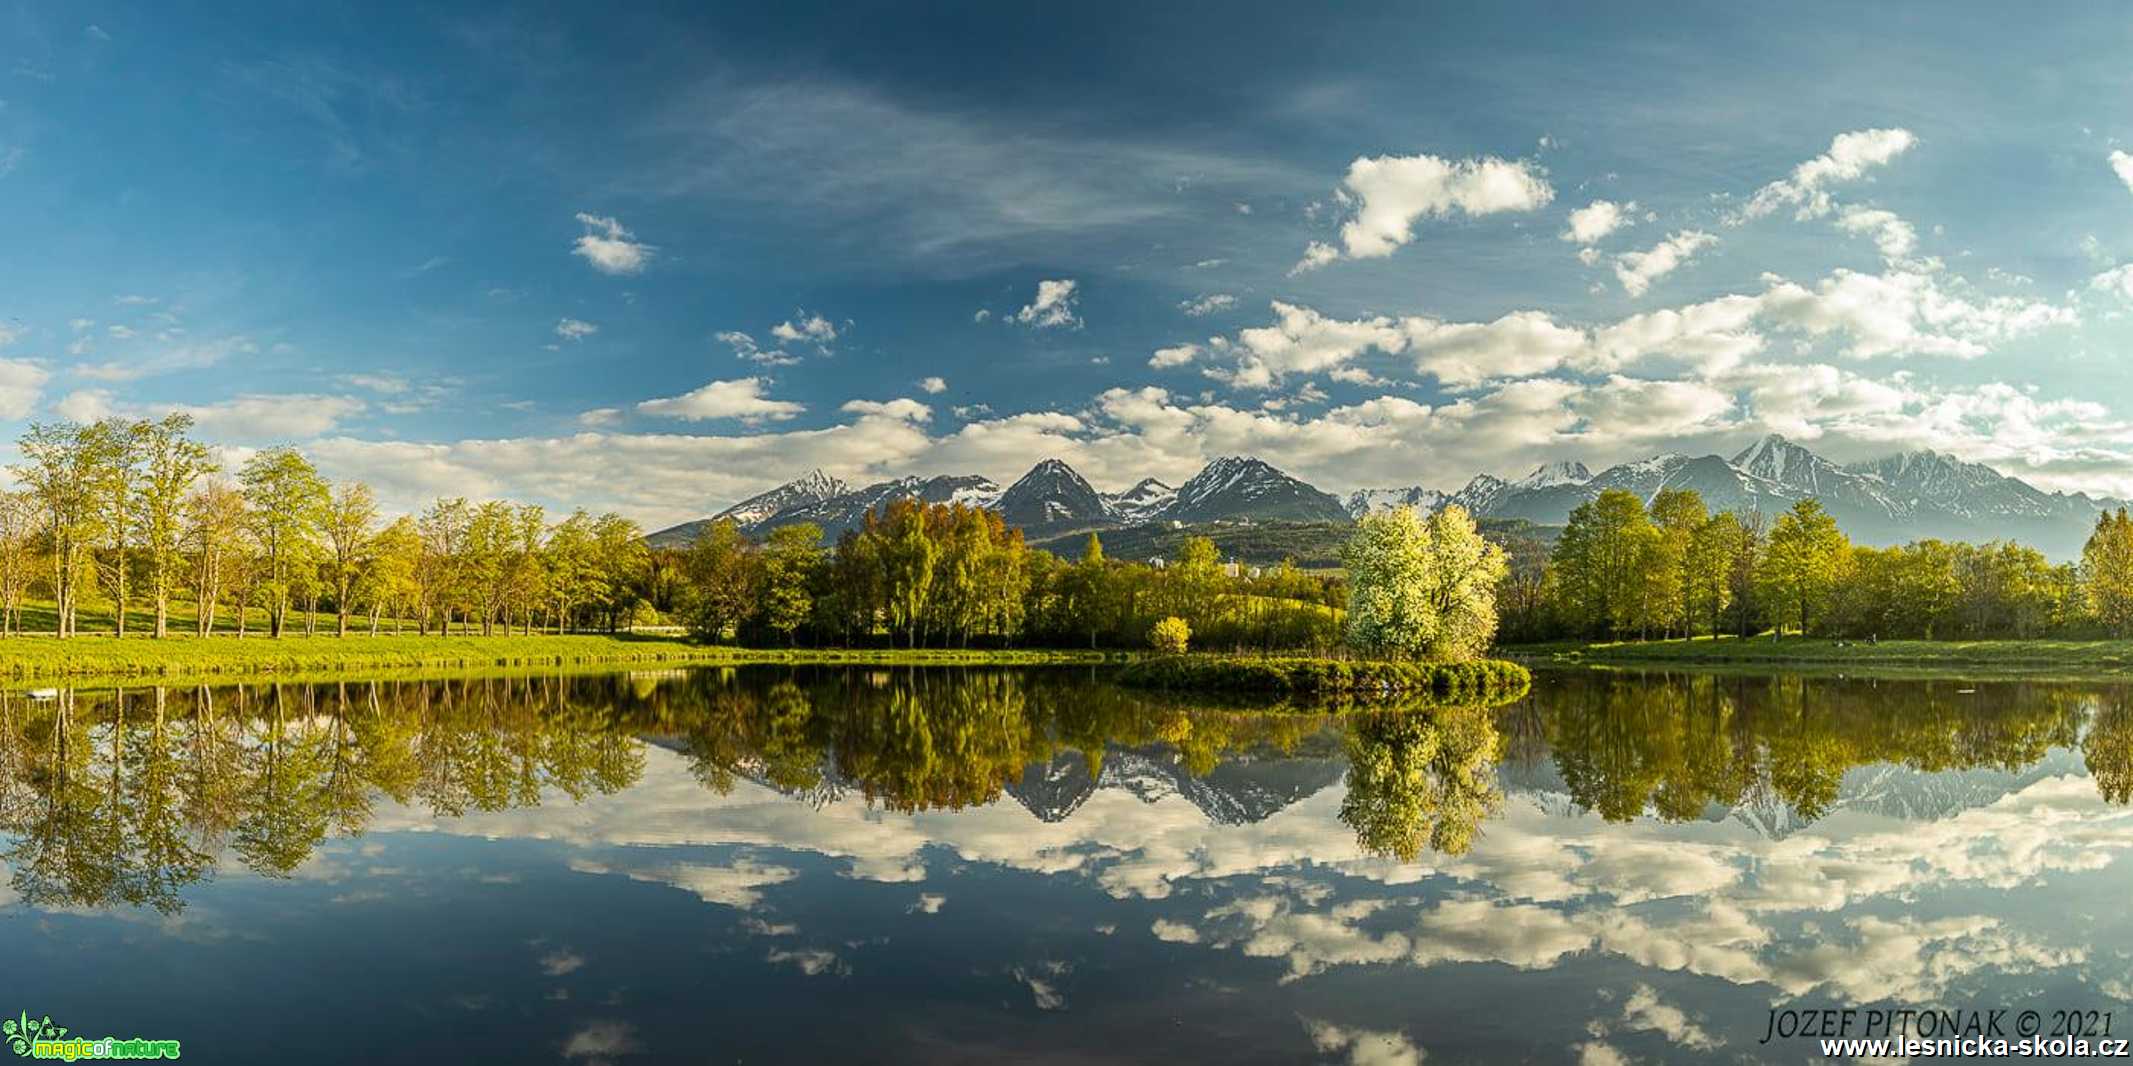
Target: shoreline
[(107, 658), (2066, 658)]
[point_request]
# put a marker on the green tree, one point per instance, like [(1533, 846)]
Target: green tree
[(723, 574), (1600, 561), (1805, 559), (287, 502), (59, 468), (1713, 549), (351, 515), (1391, 578), (2107, 571), (171, 463), (1676, 516), (1460, 585), (791, 565)]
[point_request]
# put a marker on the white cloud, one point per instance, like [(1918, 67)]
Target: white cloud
[(740, 398), (382, 384), (558, 963), (83, 405), (1316, 254), (571, 329), (21, 386), (1174, 932), (2122, 165), (1364, 1047), (1849, 158), (1644, 1010), (601, 1041), (981, 314), (600, 416), (610, 248), (1203, 306), (1637, 270), (933, 385), (745, 347), (928, 903), (1392, 193), (804, 327), (1054, 306), (1594, 221), (1176, 355), (1893, 237), (2118, 279)]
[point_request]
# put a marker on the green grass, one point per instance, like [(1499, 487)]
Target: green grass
[(103, 657), (1486, 681), (2057, 656)]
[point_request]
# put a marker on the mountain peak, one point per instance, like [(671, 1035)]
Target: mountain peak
[(1560, 472), (1052, 495), (1243, 486)]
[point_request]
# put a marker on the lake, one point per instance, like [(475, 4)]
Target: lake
[(976, 865)]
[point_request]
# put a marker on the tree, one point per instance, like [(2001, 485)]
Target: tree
[(722, 575), (389, 580), (791, 564), (908, 555), (1707, 568), (215, 527), (1390, 581), (18, 530), (350, 518), (287, 501), (170, 464), (620, 559), (1806, 557), (1599, 561), (114, 447), (1460, 585), (1676, 516), (59, 467), (443, 529), (2107, 571), (1170, 636)]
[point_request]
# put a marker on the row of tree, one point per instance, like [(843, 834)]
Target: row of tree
[(1624, 570), (947, 575), (137, 512)]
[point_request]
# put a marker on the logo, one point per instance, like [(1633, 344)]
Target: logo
[(38, 1038)]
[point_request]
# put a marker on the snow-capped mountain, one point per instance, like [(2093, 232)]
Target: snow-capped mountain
[(1240, 789), (1372, 501), (1901, 498), (1052, 497), (1141, 502), (847, 510), (1236, 486), (810, 488)]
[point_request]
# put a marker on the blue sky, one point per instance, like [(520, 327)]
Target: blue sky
[(654, 258)]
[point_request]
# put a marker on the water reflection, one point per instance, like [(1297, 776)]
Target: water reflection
[(566, 862)]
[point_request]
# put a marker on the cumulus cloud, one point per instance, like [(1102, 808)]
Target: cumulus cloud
[(805, 327), (2122, 165), (21, 386), (1849, 158), (2118, 279), (1363, 1047), (1893, 237), (933, 385), (1594, 221), (1389, 194), (740, 398), (1637, 270), (609, 247), (571, 329), (1202, 306), (1175, 355), (1054, 306)]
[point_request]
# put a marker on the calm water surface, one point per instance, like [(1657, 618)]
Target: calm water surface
[(983, 866)]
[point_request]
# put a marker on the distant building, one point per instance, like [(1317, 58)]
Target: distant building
[(1156, 561)]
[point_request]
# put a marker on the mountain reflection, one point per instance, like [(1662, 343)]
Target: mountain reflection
[(125, 797)]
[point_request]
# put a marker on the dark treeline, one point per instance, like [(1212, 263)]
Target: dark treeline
[(950, 576), (1622, 570)]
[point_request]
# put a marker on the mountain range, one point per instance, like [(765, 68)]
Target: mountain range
[(1904, 497)]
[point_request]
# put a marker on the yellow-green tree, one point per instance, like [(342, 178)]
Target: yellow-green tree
[(2107, 571), (1806, 557)]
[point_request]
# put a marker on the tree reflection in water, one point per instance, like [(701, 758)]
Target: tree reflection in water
[(125, 797)]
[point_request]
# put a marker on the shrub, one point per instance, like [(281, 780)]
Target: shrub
[(1481, 681), (1170, 635)]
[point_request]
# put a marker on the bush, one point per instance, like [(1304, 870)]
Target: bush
[(1170, 635)]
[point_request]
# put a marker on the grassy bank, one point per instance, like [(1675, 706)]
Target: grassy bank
[(2072, 657), (1487, 681), (101, 657)]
